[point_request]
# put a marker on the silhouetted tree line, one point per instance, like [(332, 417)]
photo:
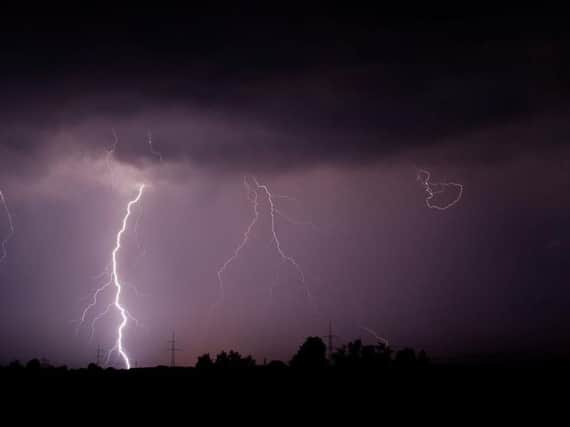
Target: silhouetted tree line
[(231, 360), (311, 356), (355, 355)]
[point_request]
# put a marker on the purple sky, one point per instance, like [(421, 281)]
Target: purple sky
[(339, 132)]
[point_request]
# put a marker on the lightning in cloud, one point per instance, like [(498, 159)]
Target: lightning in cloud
[(116, 283), (434, 188), (110, 152), (152, 150), (11, 230), (140, 245)]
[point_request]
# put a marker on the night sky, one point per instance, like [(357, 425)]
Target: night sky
[(335, 115)]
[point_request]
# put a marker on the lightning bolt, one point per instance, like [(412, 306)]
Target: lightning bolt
[(115, 281), (10, 225), (433, 188), (375, 335)]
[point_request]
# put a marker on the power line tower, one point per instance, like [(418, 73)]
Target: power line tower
[(173, 350), (99, 354), (330, 338)]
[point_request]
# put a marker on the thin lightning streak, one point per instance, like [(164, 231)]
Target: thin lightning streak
[(273, 212), (152, 150), (136, 231), (136, 290), (101, 274), (117, 283), (110, 154), (285, 197), (140, 245), (275, 284), (96, 319), (296, 222), (375, 335), (433, 188), (92, 304), (252, 197), (11, 226)]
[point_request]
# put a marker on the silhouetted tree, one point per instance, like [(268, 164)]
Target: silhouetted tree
[(376, 356), (423, 360), (45, 363), (93, 367), (222, 360), (33, 364), (405, 358), (248, 362), (355, 355), (311, 354), (233, 360), (244, 362), (339, 357), (15, 364), (355, 352), (276, 364), (204, 362)]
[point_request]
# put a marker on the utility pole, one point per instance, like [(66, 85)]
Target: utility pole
[(330, 337), (99, 354), (173, 350)]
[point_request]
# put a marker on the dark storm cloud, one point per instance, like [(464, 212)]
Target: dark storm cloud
[(237, 93)]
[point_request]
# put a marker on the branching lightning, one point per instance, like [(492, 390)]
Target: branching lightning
[(253, 191), (273, 211), (433, 188), (11, 231), (92, 304), (115, 281), (252, 197)]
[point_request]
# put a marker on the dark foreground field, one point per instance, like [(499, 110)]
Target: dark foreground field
[(370, 377)]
